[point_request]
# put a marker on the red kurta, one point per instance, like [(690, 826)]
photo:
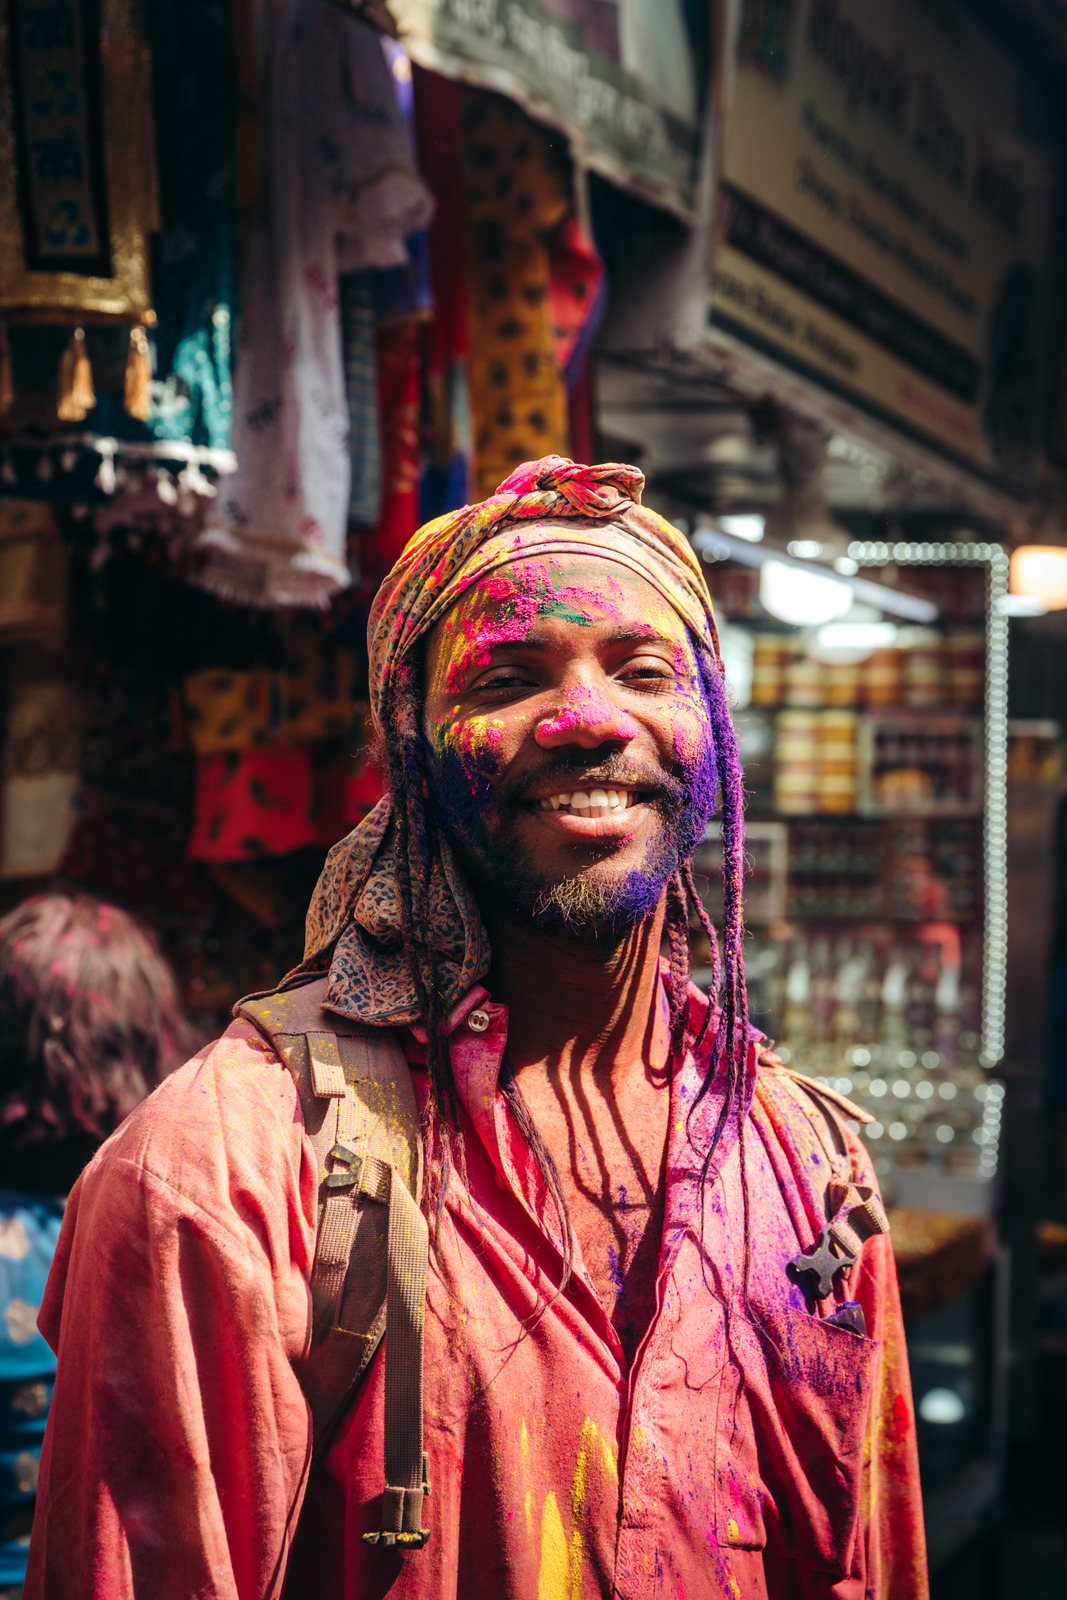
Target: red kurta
[(768, 1454)]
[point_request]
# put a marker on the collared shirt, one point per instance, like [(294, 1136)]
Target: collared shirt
[(753, 1449)]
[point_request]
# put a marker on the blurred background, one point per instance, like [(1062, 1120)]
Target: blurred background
[(282, 279)]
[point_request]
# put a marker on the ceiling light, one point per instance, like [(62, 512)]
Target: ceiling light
[(806, 549), (849, 643), (744, 527), (942, 1406), (1020, 605), (1039, 572), (806, 599)]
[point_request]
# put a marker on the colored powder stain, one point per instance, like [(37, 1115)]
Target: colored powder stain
[(517, 599), (614, 1269), (529, 1512), (583, 707), (553, 1576), (588, 1436)]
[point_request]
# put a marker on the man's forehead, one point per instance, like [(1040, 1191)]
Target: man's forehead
[(580, 587)]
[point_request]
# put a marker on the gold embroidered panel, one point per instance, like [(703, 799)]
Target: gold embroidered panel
[(78, 195)]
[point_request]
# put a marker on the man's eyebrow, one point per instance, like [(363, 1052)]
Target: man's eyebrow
[(640, 634), (637, 633)]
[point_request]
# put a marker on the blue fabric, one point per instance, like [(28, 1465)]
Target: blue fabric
[(29, 1230)]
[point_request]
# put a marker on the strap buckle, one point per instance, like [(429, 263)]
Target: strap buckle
[(350, 1171)]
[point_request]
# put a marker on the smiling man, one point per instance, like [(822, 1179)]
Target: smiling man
[(663, 1347)]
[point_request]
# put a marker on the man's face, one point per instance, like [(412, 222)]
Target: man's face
[(570, 750)]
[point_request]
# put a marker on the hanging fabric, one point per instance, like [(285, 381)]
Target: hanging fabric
[(344, 195), (359, 345), (438, 115), (195, 254), (516, 196)]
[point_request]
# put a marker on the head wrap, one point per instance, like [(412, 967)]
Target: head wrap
[(547, 507), (553, 506)]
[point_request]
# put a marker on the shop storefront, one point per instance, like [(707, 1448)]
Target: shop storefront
[(856, 440)]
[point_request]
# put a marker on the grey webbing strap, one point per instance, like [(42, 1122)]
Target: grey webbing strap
[(405, 1463), (340, 1214)]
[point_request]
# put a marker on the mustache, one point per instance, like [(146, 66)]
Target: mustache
[(616, 771)]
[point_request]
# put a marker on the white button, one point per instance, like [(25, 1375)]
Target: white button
[(478, 1021)]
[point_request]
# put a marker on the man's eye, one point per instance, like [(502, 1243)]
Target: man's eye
[(505, 679), (648, 672)]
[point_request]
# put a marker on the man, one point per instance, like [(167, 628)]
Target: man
[(652, 1366)]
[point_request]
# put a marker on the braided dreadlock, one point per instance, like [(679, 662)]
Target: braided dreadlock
[(403, 753)]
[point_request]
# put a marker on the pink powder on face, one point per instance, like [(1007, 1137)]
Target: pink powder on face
[(520, 596), (582, 707)]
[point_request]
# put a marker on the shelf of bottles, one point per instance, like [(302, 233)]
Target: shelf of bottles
[(875, 888)]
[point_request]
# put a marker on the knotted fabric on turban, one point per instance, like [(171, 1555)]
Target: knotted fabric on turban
[(545, 507)]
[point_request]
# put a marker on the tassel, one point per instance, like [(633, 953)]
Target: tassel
[(138, 376), (76, 394), (7, 376)]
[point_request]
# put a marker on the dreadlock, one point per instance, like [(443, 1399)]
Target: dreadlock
[(415, 849)]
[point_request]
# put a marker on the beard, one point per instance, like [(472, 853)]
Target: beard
[(593, 903)]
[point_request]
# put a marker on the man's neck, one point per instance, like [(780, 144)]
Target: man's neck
[(576, 1005)]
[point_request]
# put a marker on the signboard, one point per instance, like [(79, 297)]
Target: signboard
[(885, 217), (620, 77)]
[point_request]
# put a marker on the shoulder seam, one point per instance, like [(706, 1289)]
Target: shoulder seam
[(822, 1091)]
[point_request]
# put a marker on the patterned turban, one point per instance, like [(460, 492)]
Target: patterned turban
[(549, 507)]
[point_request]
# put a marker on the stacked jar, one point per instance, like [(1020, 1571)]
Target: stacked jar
[(965, 662), (770, 655), (796, 773), (836, 793), (922, 662)]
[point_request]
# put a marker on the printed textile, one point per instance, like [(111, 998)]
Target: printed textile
[(195, 254), (29, 1229), (344, 195), (252, 803), (515, 198), (438, 118)]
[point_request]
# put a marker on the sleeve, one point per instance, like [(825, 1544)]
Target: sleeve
[(178, 1441), (892, 1507)]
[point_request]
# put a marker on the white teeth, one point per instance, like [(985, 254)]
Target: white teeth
[(589, 800)]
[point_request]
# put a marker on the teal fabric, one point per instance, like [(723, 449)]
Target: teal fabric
[(195, 255), (29, 1231)]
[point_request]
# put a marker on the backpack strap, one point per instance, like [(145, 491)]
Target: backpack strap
[(369, 1275)]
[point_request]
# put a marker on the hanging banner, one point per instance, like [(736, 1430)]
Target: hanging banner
[(620, 77), (884, 218), (77, 163)]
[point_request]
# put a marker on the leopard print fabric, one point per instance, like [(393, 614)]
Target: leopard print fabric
[(353, 930)]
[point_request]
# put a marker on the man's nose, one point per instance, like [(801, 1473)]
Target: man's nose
[(584, 717)]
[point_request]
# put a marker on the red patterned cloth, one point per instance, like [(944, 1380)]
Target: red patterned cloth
[(252, 803), (399, 362)]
